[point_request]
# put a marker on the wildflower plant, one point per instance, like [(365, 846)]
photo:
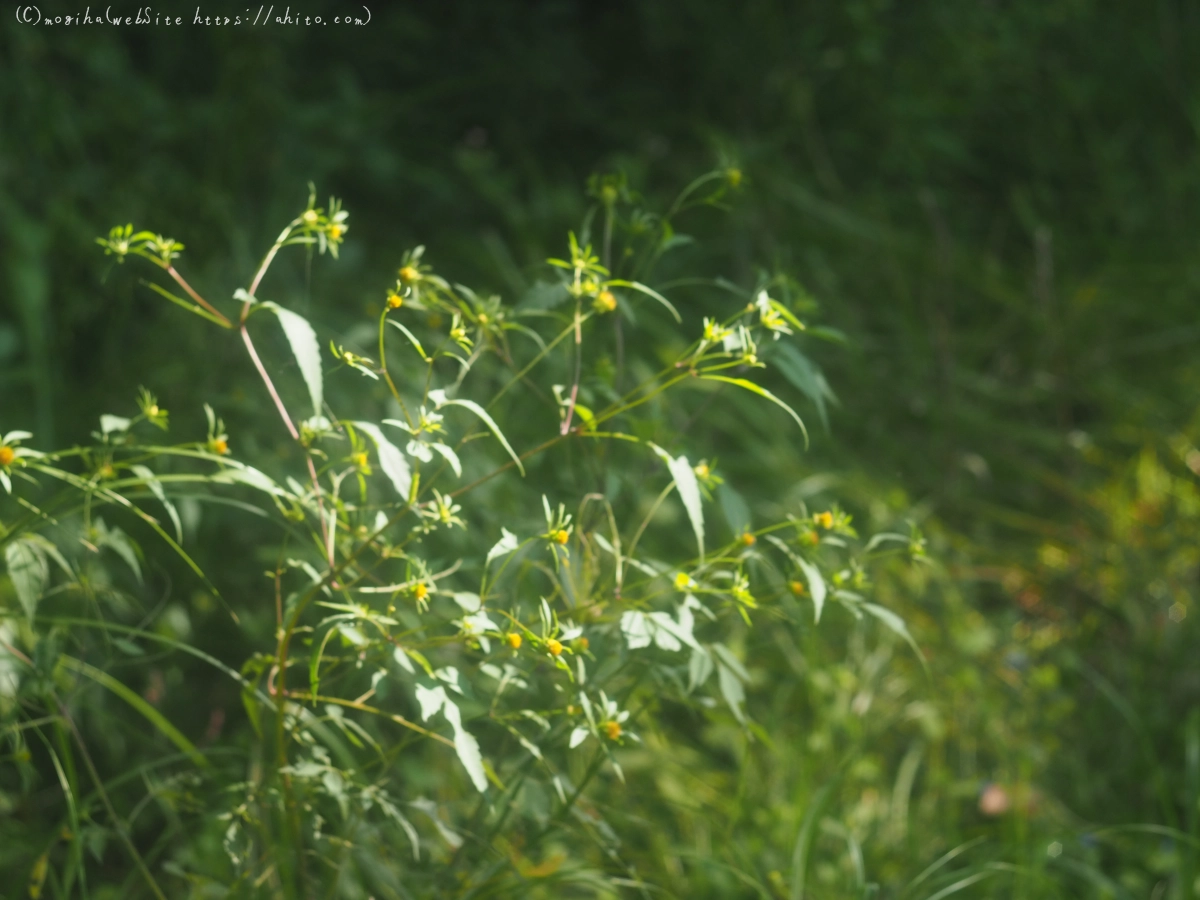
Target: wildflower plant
[(515, 655)]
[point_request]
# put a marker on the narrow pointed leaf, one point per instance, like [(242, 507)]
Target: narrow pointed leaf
[(490, 422), (303, 341), (391, 460), (762, 392)]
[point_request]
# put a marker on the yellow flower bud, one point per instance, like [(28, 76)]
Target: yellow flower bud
[(421, 590), (409, 274), (605, 301), (796, 587), (682, 581), (7, 455), (702, 471), (824, 519), (395, 301), (335, 231), (555, 647), (514, 640), (561, 537), (749, 540), (613, 730), (219, 446)]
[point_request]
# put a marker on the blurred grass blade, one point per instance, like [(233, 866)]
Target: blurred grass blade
[(157, 719)]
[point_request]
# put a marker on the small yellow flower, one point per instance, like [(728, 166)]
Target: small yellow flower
[(572, 709), (335, 231), (824, 519), (219, 446), (420, 591), (555, 647), (514, 640), (360, 460), (395, 301), (409, 274), (702, 471), (7, 455), (605, 301), (561, 536), (796, 587), (682, 581), (748, 539), (613, 730)]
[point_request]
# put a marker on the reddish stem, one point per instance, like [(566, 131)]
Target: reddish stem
[(179, 279)]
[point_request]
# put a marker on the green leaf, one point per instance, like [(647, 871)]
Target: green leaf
[(438, 398), (29, 571), (816, 585), (119, 542), (450, 457), (466, 746), (135, 700), (303, 341), (109, 424), (413, 338), (732, 690), (896, 624), (391, 460), (156, 488), (689, 492), (805, 375), (507, 544), (649, 292), (737, 513), (762, 392)]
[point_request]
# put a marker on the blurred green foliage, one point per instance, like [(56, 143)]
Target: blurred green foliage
[(995, 202)]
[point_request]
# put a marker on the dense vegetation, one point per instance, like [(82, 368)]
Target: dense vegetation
[(984, 214)]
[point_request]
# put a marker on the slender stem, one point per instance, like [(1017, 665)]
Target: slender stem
[(566, 425), (649, 515), (262, 371), (179, 279), (117, 824), (387, 375)]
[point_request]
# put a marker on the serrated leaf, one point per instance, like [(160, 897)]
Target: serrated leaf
[(29, 571), (689, 492), (391, 460), (487, 420), (303, 340), (156, 488)]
